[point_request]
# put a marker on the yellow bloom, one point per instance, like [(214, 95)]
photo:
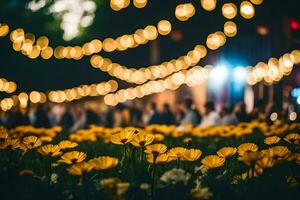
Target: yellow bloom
[(292, 138), (266, 162), (226, 152), (249, 157), (50, 150), (3, 133), (10, 144), (160, 159), (80, 169), (156, 149), (104, 162), (247, 147), (67, 144), (271, 140), (46, 138), (123, 137), (213, 161), (278, 152), (31, 142), (187, 140), (142, 139), (177, 151), (72, 157), (158, 137), (191, 155)]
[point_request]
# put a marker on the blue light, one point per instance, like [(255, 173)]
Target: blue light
[(239, 74), (298, 100), (295, 92)]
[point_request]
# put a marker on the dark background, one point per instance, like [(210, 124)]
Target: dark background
[(247, 48)]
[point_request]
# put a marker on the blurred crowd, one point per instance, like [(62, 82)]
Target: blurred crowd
[(139, 114)]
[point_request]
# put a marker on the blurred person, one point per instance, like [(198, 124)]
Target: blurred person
[(18, 117), (241, 113), (79, 115), (154, 115), (136, 114), (41, 118), (92, 118), (258, 110), (67, 119), (211, 117), (167, 117), (190, 114), (228, 117)]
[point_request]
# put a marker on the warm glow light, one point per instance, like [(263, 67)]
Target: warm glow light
[(247, 10), (229, 10)]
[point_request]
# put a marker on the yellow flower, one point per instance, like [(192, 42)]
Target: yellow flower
[(80, 169), (247, 147), (3, 133), (10, 144), (104, 162), (123, 137), (50, 150), (292, 138), (46, 138), (187, 140), (213, 161), (156, 149), (177, 151), (266, 162), (191, 155), (72, 157), (158, 137), (271, 140), (249, 157), (67, 144), (277, 152), (160, 159), (142, 139), (31, 142), (109, 182), (114, 186), (227, 152)]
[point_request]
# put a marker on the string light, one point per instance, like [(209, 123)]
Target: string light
[(208, 5), (140, 3), (7, 86), (192, 77), (274, 70), (184, 11), (230, 29), (4, 29), (59, 96), (247, 10), (29, 46), (117, 5), (144, 74), (229, 10), (257, 2)]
